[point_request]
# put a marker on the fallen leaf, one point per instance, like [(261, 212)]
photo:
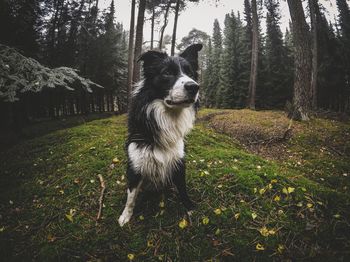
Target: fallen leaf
[(161, 204), (217, 231), (280, 248), (288, 190), (259, 247), (115, 160), (254, 215), (218, 211), (183, 223), (273, 181), (69, 217), (309, 205), (141, 217), (262, 191), (150, 243), (237, 215), (205, 220), (131, 256), (264, 231)]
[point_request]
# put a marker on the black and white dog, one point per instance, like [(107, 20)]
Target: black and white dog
[(162, 112)]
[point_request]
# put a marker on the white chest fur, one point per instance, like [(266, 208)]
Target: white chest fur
[(156, 162)]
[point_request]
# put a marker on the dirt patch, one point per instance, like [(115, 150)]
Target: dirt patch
[(273, 135)]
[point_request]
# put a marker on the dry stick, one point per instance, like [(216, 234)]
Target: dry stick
[(100, 201)]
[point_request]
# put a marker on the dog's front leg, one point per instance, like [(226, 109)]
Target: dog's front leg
[(132, 191), (180, 183)]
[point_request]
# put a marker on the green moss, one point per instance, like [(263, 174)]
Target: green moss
[(47, 177)]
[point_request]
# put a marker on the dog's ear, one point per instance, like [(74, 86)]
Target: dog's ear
[(191, 55), (150, 57)]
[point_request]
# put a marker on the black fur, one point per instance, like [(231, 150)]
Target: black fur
[(160, 74)]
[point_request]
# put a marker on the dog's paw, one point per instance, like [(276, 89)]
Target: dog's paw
[(123, 219)]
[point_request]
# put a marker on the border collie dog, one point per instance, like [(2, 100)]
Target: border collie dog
[(162, 111)]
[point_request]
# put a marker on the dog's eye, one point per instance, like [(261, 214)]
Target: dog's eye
[(167, 73)]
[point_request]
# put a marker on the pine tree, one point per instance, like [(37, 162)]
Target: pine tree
[(234, 74), (344, 23), (213, 82), (207, 73), (276, 90)]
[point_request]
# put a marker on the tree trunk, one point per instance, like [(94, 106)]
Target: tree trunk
[(302, 56), (173, 41), (255, 57), (313, 5), (138, 39), (152, 27), (131, 50), (164, 25)]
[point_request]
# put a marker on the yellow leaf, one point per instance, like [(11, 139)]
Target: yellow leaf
[(161, 204), (288, 190), (300, 204), (264, 231), (254, 215), (62, 192), (141, 217), (183, 223), (309, 205), (262, 191), (150, 243), (205, 220), (217, 211), (272, 231), (280, 248), (220, 186), (237, 215), (69, 217), (255, 190), (277, 198), (291, 189), (217, 232), (273, 181), (115, 160), (337, 215), (259, 247), (303, 189), (131, 256)]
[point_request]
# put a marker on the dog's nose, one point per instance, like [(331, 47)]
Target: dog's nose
[(192, 88)]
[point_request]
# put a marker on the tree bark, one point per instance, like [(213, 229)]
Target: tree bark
[(131, 50), (152, 27), (255, 57), (138, 39), (164, 25), (302, 55), (313, 5), (173, 40)]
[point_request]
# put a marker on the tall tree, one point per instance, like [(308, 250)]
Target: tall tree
[(276, 89), (216, 55), (131, 49), (302, 54), (255, 56), (165, 23), (313, 6), (138, 39), (173, 39)]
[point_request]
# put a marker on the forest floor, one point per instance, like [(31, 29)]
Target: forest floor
[(262, 193)]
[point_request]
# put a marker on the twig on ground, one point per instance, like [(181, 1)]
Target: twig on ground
[(100, 201)]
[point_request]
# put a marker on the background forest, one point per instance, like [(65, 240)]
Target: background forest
[(241, 64)]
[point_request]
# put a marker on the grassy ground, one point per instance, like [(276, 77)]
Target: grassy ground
[(250, 207)]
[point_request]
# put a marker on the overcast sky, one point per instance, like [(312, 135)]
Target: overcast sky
[(201, 16)]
